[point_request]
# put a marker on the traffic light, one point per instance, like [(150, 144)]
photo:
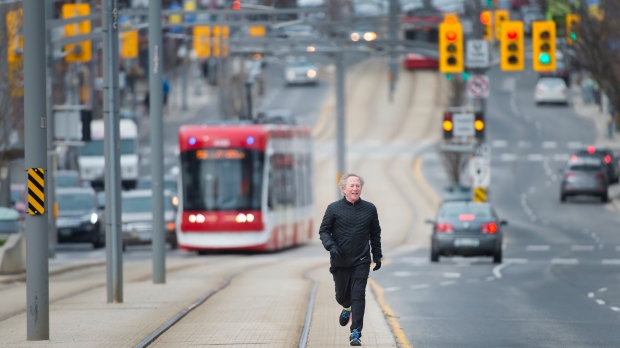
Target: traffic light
[(450, 47), (236, 5), (447, 125), (129, 44), (14, 37), (479, 125), (80, 52), (487, 25), (450, 18), (573, 30), (511, 47), (501, 16), (543, 46), (202, 41)]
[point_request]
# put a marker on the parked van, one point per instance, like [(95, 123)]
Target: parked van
[(91, 155)]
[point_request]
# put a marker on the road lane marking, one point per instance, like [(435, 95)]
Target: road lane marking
[(402, 274), (564, 261), (396, 328), (615, 309), (602, 290), (394, 288), (524, 144), (508, 157), (499, 143), (610, 262), (573, 145), (600, 302), (590, 294), (549, 144), (561, 157), (490, 278), (532, 190), (452, 275), (419, 286), (582, 247), (537, 248), (447, 282), (535, 157)]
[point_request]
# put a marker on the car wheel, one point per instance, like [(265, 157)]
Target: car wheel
[(434, 255), (99, 244), (604, 198), (562, 198), (497, 257)]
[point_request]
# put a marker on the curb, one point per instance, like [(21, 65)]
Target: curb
[(7, 279)]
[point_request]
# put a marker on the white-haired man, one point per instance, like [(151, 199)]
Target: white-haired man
[(350, 231)]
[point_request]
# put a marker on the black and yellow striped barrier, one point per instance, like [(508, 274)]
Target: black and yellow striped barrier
[(36, 193), (480, 194)]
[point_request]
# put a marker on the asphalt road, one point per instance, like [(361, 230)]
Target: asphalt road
[(558, 284)]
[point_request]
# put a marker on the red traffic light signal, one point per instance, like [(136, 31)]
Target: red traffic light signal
[(485, 17), (450, 35), (512, 34), (236, 5)]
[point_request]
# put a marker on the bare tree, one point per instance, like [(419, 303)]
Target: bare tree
[(455, 163), (598, 46), (11, 92)]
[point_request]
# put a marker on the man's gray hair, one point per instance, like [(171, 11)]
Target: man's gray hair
[(343, 180)]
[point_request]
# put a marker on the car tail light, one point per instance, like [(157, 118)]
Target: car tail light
[(573, 158), (444, 227), (591, 149), (607, 159), (539, 90), (569, 174), (490, 228), (564, 91)]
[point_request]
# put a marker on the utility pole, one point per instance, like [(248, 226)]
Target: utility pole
[(393, 31), (340, 115), (51, 148), (157, 147), (114, 254), (35, 122), (185, 72)]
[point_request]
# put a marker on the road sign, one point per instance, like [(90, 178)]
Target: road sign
[(483, 150), (478, 86), (477, 54), (463, 124), (480, 171)]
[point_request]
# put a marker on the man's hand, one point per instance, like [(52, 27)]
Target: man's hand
[(334, 252), (377, 264)]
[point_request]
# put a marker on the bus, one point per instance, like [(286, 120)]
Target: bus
[(244, 187)]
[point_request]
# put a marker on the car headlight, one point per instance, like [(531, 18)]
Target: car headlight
[(175, 201), (290, 74), (370, 36), (92, 218), (311, 73), (355, 36)]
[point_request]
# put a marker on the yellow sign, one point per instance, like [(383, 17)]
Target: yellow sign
[(129, 44), (202, 41), (14, 37), (80, 52), (16, 78), (480, 194), (257, 30), (36, 191)]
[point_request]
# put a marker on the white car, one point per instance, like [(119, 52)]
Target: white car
[(551, 90), (301, 71)]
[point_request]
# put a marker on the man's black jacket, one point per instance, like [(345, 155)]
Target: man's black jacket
[(350, 227)]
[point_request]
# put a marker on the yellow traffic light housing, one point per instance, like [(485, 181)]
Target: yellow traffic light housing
[(543, 46), (129, 44), (511, 47), (573, 28), (451, 48), (501, 16), (14, 37), (447, 125), (81, 52), (486, 19), (202, 41)]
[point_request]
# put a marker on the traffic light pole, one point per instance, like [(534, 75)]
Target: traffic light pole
[(51, 148), (114, 255), (157, 135), (340, 115), (35, 122)]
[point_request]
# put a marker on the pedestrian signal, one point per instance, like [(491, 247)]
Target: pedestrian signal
[(14, 37), (81, 52), (451, 48), (511, 47), (543, 46)]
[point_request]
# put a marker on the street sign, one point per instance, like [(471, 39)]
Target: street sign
[(480, 171), (477, 54), (483, 150), (478, 86), (463, 125)]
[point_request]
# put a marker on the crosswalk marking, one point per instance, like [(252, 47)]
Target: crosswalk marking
[(535, 157), (582, 247), (549, 144), (564, 261), (570, 145), (524, 144), (537, 248), (574, 145), (508, 157), (498, 143), (610, 262)]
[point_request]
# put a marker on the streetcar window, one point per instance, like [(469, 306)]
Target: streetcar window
[(220, 183)]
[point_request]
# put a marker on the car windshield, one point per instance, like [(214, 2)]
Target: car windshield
[(453, 211), (146, 184), (301, 64), (67, 180), (95, 147), (584, 168), (75, 201), (142, 204), (16, 196), (552, 82)]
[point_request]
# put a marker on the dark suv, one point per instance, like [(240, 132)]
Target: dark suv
[(607, 157)]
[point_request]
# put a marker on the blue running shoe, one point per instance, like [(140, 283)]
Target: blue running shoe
[(356, 337), (345, 316)]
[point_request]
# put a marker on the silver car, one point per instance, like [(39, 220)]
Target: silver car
[(301, 71), (137, 218)]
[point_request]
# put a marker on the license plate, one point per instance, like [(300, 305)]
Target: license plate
[(469, 242), (64, 232), (145, 236)]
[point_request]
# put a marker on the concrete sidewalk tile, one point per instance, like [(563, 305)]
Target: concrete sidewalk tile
[(325, 331)]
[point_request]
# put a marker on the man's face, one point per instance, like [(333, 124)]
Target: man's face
[(352, 189)]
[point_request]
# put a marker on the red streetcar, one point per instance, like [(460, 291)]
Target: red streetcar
[(244, 187)]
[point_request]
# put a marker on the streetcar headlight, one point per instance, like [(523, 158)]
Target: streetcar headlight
[(311, 73), (355, 36), (192, 218), (240, 218)]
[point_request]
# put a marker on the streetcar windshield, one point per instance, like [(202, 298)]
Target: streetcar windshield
[(222, 179)]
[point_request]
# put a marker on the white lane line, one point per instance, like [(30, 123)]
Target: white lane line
[(516, 260), (419, 286), (564, 261), (582, 247), (590, 294), (531, 190), (490, 278), (497, 270), (447, 282), (615, 309), (610, 262), (600, 302), (549, 144), (618, 248), (499, 143), (602, 290), (508, 157), (561, 157), (395, 288), (524, 144), (402, 274), (452, 275), (535, 157), (574, 145), (537, 248)]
